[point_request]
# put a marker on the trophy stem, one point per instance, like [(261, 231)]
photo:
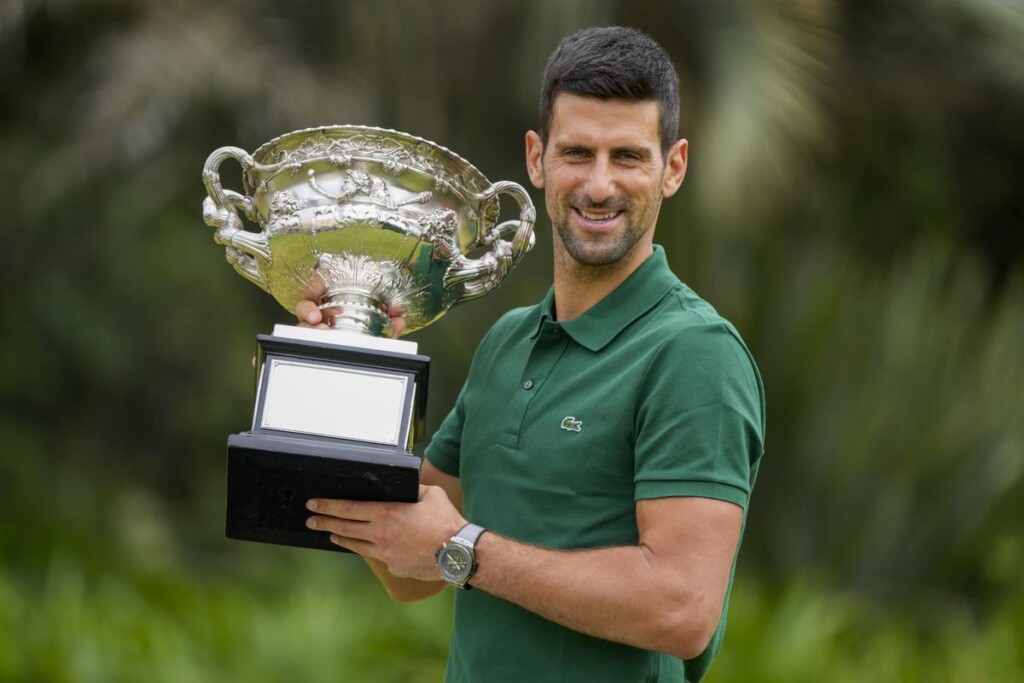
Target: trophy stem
[(354, 311)]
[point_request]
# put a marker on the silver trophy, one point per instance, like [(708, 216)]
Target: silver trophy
[(386, 232)]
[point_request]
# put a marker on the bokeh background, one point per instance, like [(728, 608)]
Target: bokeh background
[(854, 204)]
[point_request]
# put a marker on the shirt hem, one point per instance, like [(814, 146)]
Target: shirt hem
[(695, 489)]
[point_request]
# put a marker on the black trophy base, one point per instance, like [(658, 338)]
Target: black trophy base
[(270, 478)]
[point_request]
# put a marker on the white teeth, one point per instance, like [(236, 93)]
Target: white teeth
[(598, 216)]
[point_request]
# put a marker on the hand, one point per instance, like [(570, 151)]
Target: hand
[(404, 536), (311, 315)]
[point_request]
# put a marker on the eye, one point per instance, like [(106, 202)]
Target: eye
[(629, 156), (576, 153)]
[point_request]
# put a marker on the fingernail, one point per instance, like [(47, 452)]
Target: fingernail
[(311, 522), (311, 505), (312, 316)]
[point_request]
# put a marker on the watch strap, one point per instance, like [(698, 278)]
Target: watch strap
[(469, 534)]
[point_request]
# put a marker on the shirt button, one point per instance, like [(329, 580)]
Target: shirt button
[(528, 384)]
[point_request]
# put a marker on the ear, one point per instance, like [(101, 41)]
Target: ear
[(534, 159), (675, 168)]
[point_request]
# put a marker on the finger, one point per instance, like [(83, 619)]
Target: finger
[(397, 315), (358, 547), (353, 510), (346, 529), (323, 315), (327, 315), (397, 326), (308, 312)]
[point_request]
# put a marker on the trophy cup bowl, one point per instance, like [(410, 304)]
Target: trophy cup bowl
[(386, 232), (370, 223)]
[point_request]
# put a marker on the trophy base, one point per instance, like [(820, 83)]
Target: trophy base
[(270, 478)]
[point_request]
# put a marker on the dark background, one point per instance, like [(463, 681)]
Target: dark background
[(853, 204)]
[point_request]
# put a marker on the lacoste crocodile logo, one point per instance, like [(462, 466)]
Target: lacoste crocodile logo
[(571, 424)]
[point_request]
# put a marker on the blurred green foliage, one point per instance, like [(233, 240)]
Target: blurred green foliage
[(164, 628), (853, 204), (807, 633)]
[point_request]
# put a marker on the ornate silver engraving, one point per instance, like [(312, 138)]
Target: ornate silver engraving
[(441, 229), (359, 184)]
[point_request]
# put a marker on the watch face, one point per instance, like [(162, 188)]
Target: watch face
[(455, 563)]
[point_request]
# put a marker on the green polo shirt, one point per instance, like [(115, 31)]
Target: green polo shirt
[(561, 427)]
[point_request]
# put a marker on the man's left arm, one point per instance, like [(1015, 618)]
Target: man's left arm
[(665, 593)]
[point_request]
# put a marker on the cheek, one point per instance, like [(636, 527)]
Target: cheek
[(561, 176), (566, 187), (646, 190), (551, 202), (554, 190)]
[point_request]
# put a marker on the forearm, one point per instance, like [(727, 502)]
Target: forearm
[(623, 594), (664, 594), (404, 589)]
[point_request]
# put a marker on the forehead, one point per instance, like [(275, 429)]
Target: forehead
[(579, 119)]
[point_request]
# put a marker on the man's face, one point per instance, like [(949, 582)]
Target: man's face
[(604, 177)]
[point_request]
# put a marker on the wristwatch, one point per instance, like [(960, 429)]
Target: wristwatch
[(456, 559)]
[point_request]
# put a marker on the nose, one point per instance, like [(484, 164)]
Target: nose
[(600, 182)]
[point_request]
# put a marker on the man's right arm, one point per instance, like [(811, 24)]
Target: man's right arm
[(411, 590)]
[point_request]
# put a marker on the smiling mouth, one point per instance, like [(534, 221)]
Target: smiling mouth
[(598, 217)]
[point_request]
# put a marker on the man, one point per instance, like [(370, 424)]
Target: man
[(606, 441)]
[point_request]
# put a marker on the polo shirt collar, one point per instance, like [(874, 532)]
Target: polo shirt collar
[(602, 322)]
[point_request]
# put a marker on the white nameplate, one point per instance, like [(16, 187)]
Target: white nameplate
[(334, 401)]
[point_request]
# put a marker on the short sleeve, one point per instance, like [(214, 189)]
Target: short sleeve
[(700, 422), (445, 448)]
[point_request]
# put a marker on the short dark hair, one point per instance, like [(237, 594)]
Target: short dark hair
[(613, 62)]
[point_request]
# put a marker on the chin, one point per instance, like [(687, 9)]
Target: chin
[(597, 257)]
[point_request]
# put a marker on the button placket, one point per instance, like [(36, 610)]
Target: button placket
[(547, 350)]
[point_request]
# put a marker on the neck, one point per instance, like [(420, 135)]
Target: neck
[(579, 287)]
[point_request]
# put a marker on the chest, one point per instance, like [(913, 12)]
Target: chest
[(547, 446)]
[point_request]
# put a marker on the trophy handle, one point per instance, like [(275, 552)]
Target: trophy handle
[(476, 277), (220, 211)]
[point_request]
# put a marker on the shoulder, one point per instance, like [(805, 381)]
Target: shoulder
[(685, 323), (691, 343)]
